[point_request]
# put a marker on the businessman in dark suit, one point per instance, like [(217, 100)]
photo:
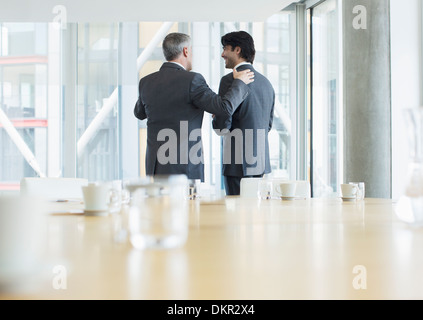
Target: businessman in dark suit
[(173, 101), (245, 132)]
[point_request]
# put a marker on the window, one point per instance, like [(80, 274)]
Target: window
[(23, 101), (325, 102), (97, 118), (35, 91)]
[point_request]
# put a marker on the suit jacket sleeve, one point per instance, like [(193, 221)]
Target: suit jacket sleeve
[(139, 110), (271, 113), (204, 98), (221, 122)]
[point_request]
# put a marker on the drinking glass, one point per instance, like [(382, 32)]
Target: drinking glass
[(158, 216), (410, 204)]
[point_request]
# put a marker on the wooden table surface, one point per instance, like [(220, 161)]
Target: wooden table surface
[(240, 249)]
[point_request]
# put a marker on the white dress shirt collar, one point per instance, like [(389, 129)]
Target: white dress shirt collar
[(177, 64), (242, 63)]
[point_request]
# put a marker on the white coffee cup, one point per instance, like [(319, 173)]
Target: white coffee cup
[(96, 198), (287, 189), (349, 191), (275, 186)]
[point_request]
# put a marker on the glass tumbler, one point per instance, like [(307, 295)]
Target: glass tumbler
[(158, 216), (410, 204)]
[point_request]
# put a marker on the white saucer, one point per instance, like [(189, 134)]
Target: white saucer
[(288, 198), (101, 213), (348, 198)]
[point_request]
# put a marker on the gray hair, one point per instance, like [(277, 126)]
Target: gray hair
[(174, 43)]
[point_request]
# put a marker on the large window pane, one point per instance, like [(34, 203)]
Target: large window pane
[(97, 107), (24, 103), (326, 116)]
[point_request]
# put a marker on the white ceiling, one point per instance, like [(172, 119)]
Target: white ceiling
[(140, 10)]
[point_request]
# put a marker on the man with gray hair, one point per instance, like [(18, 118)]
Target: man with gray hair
[(173, 101)]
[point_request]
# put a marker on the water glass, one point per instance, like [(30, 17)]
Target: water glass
[(22, 241), (158, 216), (361, 190), (265, 189)]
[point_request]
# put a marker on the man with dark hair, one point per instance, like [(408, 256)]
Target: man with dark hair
[(243, 41), (173, 101), (245, 132)]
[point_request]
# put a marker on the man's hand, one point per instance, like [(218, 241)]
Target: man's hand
[(247, 76)]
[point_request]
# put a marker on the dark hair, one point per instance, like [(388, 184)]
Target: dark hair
[(174, 43), (243, 40)]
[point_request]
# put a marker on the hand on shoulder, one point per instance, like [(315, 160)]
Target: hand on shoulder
[(247, 76)]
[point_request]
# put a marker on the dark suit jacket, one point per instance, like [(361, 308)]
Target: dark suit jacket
[(173, 101), (252, 121)]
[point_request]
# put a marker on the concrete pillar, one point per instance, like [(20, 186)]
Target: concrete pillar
[(367, 95)]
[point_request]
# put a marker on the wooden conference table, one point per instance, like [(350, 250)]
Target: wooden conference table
[(244, 249)]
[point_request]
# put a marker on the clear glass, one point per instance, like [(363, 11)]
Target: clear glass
[(326, 107), (265, 189), (410, 204), (158, 216), (361, 188), (22, 242)]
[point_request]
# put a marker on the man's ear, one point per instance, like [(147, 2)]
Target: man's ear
[(185, 52), (237, 50)]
